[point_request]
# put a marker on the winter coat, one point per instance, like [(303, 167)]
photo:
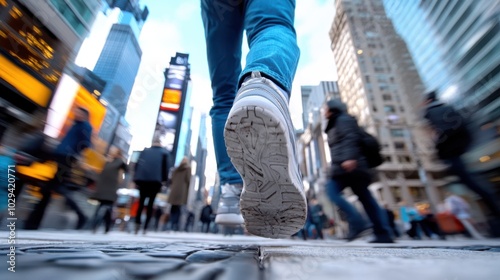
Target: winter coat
[(206, 214), (179, 186), (76, 140), (453, 137), (344, 141), (107, 182), (152, 165)]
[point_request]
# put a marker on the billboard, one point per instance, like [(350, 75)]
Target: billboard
[(32, 58), (170, 113)]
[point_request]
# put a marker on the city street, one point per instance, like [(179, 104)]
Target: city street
[(82, 255)]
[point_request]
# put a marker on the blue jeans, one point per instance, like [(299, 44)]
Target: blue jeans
[(273, 52), (354, 218), (359, 181)]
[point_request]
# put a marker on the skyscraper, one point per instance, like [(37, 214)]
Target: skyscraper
[(379, 83), (120, 58)]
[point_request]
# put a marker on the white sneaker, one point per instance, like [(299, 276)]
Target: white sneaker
[(260, 141), (228, 210)]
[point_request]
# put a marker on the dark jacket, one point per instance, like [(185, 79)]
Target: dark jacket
[(107, 182), (152, 165), (179, 186), (206, 214), (344, 141), (453, 136), (76, 140)]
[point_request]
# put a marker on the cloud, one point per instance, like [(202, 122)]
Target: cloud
[(187, 10)]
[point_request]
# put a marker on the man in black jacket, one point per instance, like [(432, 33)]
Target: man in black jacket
[(452, 141), (350, 169), (151, 170)]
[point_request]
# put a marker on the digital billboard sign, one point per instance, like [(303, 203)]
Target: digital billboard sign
[(170, 106)]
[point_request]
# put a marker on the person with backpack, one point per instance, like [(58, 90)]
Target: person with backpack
[(453, 138), (351, 168)]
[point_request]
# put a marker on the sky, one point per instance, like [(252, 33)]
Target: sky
[(176, 26)]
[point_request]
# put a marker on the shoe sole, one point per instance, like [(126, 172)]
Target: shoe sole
[(229, 219), (271, 202)]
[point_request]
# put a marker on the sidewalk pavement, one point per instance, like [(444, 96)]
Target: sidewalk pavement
[(75, 255)]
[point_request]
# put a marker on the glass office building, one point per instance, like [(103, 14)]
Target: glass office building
[(120, 58)]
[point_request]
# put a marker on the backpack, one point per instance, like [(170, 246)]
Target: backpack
[(370, 148)]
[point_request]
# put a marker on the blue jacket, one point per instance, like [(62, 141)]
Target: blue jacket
[(76, 140), (152, 165)]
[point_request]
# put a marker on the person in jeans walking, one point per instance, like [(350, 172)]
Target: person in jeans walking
[(350, 169), (253, 134), (150, 172), (106, 186)]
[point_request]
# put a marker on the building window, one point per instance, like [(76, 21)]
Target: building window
[(387, 159), (399, 145), (411, 175), (389, 109), (418, 193), (404, 159), (387, 97), (374, 109), (70, 16), (397, 132), (82, 9), (396, 193), (402, 109)]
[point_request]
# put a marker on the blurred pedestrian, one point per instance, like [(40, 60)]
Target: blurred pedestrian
[(453, 138), (251, 123), (414, 219), (461, 209), (350, 169), (188, 227), (392, 220), (7, 172), (206, 217), (317, 217), (179, 190), (158, 212), (76, 140), (151, 171), (106, 186)]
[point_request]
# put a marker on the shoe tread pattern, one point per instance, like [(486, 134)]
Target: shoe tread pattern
[(270, 203)]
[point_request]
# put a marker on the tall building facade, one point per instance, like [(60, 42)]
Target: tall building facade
[(121, 55), (456, 46), (382, 89), (314, 154), (38, 39)]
